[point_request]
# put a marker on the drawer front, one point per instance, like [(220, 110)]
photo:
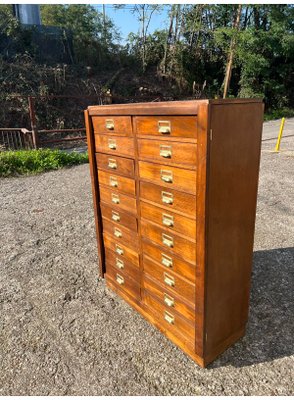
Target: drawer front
[(121, 265), (169, 199), (167, 241), (112, 125), (121, 234), (115, 145), (123, 282), (168, 298), (120, 200), (169, 261), (124, 252), (169, 177), (169, 317), (119, 165), (120, 183), (169, 220), (118, 217), (168, 153), (167, 126), (169, 280)]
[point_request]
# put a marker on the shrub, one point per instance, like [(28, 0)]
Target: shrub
[(36, 161)]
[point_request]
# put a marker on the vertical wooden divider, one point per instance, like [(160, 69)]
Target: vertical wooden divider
[(137, 178), (203, 138)]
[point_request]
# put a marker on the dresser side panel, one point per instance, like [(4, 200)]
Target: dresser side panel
[(231, 206), (95, 191)]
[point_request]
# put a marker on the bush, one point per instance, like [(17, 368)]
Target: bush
[(36, 161), (280, 113)]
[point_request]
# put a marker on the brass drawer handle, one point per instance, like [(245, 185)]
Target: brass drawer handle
[(165, 151), (119, 250), (167, 198), (167, 240), (112, 144), (113, 182), (117, 233), (164, 127), (169, 301), (169, 280), (112, 163), (119, 279), (119, 263), (169, 317), (167, 220), (115, 198), (166, 176), (109, 124), (166, 261), (115, 216)]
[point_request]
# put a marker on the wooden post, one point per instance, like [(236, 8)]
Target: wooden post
[(32, 112)]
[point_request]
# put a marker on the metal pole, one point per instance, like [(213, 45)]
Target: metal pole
[(32, 112), (277, 148)]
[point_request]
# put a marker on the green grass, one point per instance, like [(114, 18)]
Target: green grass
[(25, 162), (278, 114)]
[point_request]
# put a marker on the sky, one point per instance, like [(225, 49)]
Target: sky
[(127, 22)]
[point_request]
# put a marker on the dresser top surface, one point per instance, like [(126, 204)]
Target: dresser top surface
[(187, 107)]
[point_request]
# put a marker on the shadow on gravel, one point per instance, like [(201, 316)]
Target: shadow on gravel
[(269, 334)]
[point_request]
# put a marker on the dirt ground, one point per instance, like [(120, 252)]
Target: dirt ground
[(62, 332)]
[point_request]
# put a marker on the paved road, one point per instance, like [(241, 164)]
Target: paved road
[(62, 332)]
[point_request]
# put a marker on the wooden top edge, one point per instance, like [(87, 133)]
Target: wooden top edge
[(187, 107)]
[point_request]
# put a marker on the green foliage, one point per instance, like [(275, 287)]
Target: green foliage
[(187, 57), (36, 161), (280, 113), (93, 35)]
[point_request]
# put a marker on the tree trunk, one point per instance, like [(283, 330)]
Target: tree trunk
[(168, 38), (231, 52)]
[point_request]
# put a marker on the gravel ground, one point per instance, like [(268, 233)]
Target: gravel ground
[(63, 332)]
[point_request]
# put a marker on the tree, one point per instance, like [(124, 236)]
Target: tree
[(144, 13), (93, 33), (231, 51)]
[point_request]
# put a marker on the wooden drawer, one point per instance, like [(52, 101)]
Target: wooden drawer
[(168, 297), (169, 317), (119, 165), (112, 125), (115, 145), (172, 242), (118, 217), (121, 201), (121, 265), (167, 126), (169, 261), (120, 249), (169, 280), (183, 154), (169, 220), (117, 182), (172, 200), (169, 177), (123, 282), (121, 234)]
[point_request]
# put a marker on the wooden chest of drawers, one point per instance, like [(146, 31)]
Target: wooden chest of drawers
[(174, 189)]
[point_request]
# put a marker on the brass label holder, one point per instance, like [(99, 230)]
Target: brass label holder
[(164, 127), (109, 124), (112, 144), (166, 176)]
